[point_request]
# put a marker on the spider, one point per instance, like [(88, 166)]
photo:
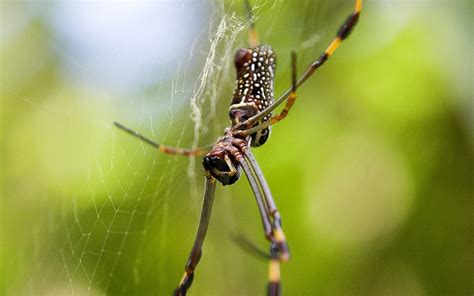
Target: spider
[(251, 120)]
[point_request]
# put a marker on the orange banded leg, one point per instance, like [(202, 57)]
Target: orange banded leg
[(196, 251), (292, 98), (164, 148), (343, 32)]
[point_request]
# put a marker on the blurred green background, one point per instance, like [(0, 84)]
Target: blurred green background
[(372, 169)]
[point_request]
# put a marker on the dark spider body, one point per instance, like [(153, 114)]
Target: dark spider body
[(253, 93), (254, 88)]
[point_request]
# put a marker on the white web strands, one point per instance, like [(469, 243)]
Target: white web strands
[(90, 252), (106, 235), (217, 70), (103, 187)]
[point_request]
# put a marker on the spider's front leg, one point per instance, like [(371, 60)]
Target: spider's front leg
[(220, 164), (196, 251)]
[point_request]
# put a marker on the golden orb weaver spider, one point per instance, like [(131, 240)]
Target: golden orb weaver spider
[(251, 116)]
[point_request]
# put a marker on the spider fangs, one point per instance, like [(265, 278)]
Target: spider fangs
[(223, 162)]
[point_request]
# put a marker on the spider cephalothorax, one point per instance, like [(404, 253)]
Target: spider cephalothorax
[(223, 162)]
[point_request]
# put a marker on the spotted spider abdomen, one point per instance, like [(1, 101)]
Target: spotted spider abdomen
[(254, 89)]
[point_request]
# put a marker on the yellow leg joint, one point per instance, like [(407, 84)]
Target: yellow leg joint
[(279, 236), (274, 271)]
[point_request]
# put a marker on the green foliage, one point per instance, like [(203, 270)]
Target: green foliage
[(371, 170)]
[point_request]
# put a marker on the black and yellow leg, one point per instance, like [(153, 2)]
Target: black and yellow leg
[(196, 251), (164, 148), (274, 281), (280, 239), (343, 32)]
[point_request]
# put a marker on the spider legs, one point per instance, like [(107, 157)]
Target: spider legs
[(164, 148), (343, 32), (292, 98), (262, 206), (196, 251), (279, 251), (278, 234), (274, 285)]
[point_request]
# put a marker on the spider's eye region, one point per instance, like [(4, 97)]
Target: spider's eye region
[(242, 56), (220, 170), (217, 163)]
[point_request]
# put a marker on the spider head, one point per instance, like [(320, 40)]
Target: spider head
[(222, 167)]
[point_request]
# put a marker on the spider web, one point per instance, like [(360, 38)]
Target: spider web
[(119, 228), (125, 215), (122, 198)]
